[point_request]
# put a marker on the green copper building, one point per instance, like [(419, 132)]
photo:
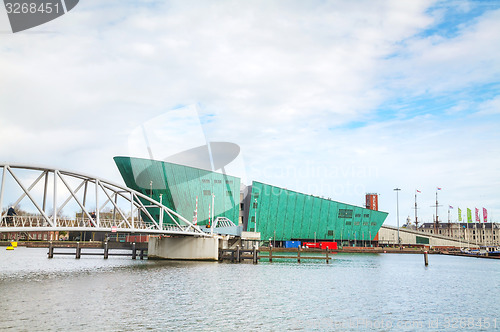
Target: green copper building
[(278, 214), (182, 188), (284, 215)]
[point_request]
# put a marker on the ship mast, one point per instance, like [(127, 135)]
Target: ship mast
[(436, 221)]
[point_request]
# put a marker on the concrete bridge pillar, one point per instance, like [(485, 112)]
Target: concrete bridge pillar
[(184, 248)]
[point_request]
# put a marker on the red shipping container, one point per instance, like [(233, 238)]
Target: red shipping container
[(329, 245), (311, 245)]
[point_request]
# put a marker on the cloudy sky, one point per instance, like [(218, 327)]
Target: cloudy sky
[(331, 98)]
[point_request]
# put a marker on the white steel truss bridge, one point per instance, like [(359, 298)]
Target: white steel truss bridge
[(102, 206)]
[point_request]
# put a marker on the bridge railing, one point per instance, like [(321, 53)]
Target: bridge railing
[(94, 198), (40, 222)]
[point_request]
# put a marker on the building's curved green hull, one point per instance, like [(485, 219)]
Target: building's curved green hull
[(284, 215), (180, 186)]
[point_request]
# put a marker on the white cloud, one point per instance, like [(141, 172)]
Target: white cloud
[(285, 81)]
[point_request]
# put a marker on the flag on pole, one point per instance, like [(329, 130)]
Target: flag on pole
[(459, 214), (469, 215), (418, 191), (450, 207), (485, 215), (477, 215), (438, 188)]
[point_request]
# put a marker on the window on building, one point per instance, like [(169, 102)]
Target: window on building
[(330, 233), (347, 222), (358, 215), (252, 219), (205, 180), (256, 195), (207, 192), (229, 193), (345, 213), (374, 224), (367, 215), (365, 223), (242, 206), (217, 181), (356, 223), (255, 205)]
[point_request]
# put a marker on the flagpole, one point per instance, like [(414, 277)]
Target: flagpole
[(459, 211), (436, 226), (416, 218), (459, 236), (484, 233), (449, 229), (475, 229), (467, 235), (467, 230)]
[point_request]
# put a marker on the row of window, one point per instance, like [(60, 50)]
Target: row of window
[(348, 223), (216, 181), (343, 213), (446, 231), (347, 214), (474, 237), (357, 223), (208, 193)]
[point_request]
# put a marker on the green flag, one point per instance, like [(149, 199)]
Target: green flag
[(469, 215), (459, 214)]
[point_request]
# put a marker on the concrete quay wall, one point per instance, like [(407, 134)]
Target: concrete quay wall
[(389, 235), (184, 248)]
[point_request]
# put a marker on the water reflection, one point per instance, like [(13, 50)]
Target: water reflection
[(119, 294)]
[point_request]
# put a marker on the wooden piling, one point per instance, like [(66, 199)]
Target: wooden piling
[(78, 251), (255, 258), (142, 254), (298, 254), (106, 250), (270, 253), (134, 253), (51, 250), (238, 254), (426, 258), (327, 259)]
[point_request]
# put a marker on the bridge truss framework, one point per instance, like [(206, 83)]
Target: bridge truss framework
[(128, 211)]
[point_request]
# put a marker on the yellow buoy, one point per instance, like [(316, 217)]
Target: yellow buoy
[(14, 244), (10, 248)]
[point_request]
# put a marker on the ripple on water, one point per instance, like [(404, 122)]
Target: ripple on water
[(119, 294)]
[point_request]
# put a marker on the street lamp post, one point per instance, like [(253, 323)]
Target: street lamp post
[(255, 210), (397, 209)]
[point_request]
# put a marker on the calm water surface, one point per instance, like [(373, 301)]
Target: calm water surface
[(356, 292)]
